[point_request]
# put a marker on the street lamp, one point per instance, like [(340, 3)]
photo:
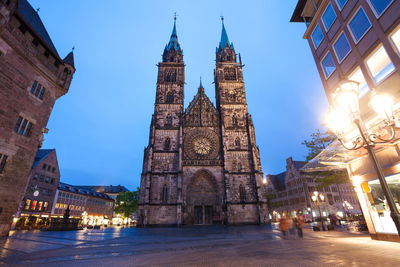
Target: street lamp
[(347, 206), (346, 112), (318, 198)]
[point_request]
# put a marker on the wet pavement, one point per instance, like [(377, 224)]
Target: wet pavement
[(195, 246)]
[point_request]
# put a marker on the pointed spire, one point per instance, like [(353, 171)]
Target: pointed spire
[(69, 59), (174, 29), (173, 51), (224, 36), (201, 85), (173, 41)]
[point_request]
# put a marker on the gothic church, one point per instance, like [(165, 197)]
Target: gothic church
[(202, 164)]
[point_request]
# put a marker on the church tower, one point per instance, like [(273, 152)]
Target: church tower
[(202, 164), (159, 190), (242, 167)]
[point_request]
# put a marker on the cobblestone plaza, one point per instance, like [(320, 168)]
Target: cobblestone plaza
[(195, 246)]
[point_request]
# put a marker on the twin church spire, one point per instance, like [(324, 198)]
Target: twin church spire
[(173, 51), (225, 52)]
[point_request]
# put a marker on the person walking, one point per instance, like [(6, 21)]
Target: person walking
[(284, 227), (292, 226), (299, 225)]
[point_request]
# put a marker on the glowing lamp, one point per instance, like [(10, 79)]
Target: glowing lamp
[(356, 180), (337, 120), (346, 97), (383, 105)]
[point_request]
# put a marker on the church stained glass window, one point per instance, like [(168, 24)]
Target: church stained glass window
[(237, 142), (167, 143), (168, 120), (234, 120), (170, 97), (170, 76), (242, 193), (164, 194), (230, 74)]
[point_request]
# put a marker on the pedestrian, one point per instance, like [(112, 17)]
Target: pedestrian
[(299, 225), (333, 220), (291, 226), (284, 227)]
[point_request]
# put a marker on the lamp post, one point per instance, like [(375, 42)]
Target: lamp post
[(347, 206), (318, 198), (346, 112)]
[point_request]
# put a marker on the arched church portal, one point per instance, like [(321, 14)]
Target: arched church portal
[(202, 198)]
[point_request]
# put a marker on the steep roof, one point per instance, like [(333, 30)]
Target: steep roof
[(105, 188), (69, 59), (41, 154), (199, 99), (299, 164), (278, 180), (82, 191), (32, 19), (224, 38), (173, 41)]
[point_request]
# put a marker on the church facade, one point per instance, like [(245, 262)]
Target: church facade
[(202, 164)]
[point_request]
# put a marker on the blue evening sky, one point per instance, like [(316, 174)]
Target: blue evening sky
[(101, 126)]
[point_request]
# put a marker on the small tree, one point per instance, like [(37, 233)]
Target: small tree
[(127, 203), (319, 141), (327, 178)]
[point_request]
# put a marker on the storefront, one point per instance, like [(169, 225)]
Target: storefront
[(375, 206), (366, 184)]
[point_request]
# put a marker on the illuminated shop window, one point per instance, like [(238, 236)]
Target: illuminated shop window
[(379, 6), (358, 76), (45, 206), (395, 38), (379, 64), (317, 36), (40, 205), (27, 204), (33, 206), (328, 65), (377, 204), (57, 205), (328, 17), (359, 25)]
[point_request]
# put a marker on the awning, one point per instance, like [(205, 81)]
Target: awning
[(334, 157)]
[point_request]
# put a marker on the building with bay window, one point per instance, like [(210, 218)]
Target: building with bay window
[(32, 77), (359, 40), (93, 207), (40, 191), (290, 194)]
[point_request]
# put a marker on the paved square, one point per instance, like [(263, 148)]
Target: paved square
[(195, 246)]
